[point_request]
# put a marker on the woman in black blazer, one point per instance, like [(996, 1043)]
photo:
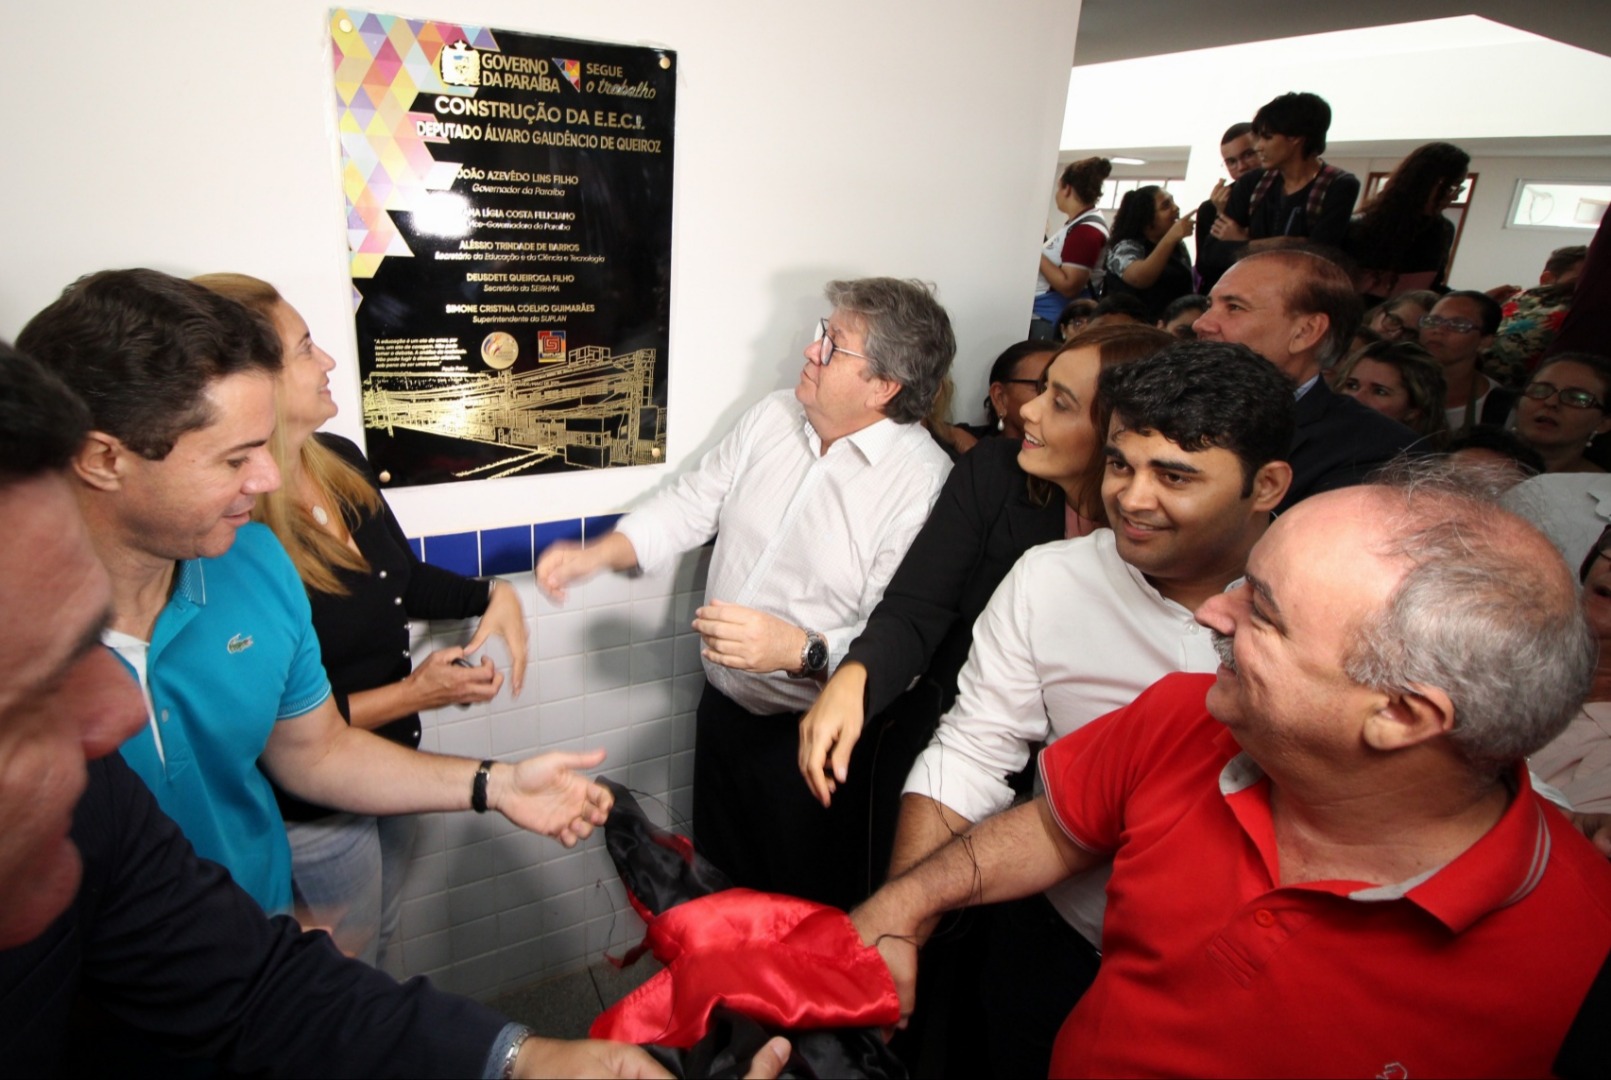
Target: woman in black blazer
[(1002, 498)]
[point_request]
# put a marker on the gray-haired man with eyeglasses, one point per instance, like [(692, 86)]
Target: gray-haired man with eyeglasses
[(813, 498)]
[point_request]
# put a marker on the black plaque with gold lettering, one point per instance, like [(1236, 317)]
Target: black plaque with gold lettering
[(508, 204)]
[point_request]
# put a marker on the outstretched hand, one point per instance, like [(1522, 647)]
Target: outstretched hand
[(1181, 228), (564, 562), (507, 619), (586, 1057), (596, 1057), (830, 729), (545, 794), (896, 943)]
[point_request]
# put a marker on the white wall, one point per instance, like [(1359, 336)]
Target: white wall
[(1493, 253), (813, 141), (1450, 79)]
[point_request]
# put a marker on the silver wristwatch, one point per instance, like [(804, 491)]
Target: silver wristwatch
[(813, 656)]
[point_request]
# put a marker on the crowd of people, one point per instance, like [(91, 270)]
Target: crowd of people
[(1464, 358), (1222, 670)]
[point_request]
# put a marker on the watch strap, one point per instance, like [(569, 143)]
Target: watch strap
[(478, 788)]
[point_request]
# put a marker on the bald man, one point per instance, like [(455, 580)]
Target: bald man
[(1337, 828)]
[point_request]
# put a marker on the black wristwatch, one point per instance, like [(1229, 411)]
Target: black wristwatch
[(813, 656)]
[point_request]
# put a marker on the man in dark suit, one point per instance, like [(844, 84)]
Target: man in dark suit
[(1299, 311)]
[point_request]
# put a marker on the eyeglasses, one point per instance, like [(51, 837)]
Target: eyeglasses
[(1457, 326), (1571, 395), (829, 348)]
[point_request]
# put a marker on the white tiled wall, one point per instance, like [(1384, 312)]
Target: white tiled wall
[(487, 906)]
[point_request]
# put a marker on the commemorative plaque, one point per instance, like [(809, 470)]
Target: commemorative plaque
[(508, 203)]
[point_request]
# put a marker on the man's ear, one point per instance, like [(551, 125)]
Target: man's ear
[(102, 461), (1308, 331), (1270, 485), (881, 392), (1409, 717)]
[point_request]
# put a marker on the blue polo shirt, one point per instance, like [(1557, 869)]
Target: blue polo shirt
[(232, 653)]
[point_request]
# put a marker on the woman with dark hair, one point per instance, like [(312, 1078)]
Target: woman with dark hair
[(1013, 379), (1071, 261), (1565, 407), (1398, 379), (1400, 239), (1399, 319), (1075, 317), (1145, 255), (1001, 499), (1182, 312)]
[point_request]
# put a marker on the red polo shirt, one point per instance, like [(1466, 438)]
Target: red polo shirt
[(1212, 969)]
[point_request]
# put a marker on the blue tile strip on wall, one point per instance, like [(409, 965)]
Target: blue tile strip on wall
[(549, 531), (513, 549), (459, 552), (595, 527), (506, 551)]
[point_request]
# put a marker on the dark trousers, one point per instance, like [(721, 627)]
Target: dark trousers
[(1037, 968), (756, 820)]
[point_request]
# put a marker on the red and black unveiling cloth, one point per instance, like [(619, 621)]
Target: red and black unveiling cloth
[(741, 966)]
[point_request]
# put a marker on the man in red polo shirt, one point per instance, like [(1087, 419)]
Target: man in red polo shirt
[(1327, 857)]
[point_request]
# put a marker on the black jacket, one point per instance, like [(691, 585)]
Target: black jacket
[(364, 633), (1339, 442), (167, 943), (981, 522)]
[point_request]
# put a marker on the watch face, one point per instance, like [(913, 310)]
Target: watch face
[(817, 654)]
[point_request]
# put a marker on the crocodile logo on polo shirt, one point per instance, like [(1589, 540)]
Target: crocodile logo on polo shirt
[(239, 643)]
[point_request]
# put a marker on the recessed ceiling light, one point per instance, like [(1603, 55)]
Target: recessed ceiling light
[(1127, 161)]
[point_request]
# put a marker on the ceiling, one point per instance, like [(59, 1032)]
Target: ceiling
[(1126, 29), (1539, 146)]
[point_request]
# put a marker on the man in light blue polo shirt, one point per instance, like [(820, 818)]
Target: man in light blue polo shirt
[(207, 610), (239, 621)]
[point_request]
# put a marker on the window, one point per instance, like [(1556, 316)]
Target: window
[(1114, 191), (1558, 204)]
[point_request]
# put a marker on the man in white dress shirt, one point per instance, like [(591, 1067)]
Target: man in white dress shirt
[(813, 497), (1196, 437)]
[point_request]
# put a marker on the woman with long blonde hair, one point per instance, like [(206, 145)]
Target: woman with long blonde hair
[(364, 584)]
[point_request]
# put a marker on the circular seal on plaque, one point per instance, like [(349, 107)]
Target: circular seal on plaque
[(499, 350)]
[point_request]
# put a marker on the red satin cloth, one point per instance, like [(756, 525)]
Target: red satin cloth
[(785, 962)]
